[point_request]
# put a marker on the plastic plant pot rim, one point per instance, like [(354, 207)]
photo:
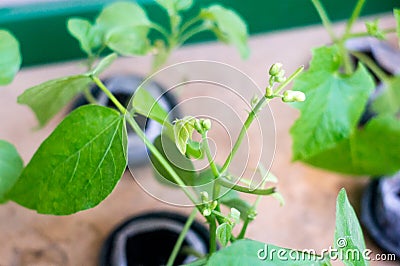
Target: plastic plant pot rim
[(114, 246), (369, 219)]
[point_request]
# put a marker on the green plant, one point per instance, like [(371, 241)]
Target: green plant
[(79, 164), (328, 133)]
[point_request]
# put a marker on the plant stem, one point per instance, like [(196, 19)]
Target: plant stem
[(353, 18), (188, 24), (181, 237), (160, 29), (213, 234), (366, 60), (228, 184), (366, 34), (192, 32), (89, 96), (244, 228), (251, 117), (206, 147), (348, 66), (115, 101), (324, 18)]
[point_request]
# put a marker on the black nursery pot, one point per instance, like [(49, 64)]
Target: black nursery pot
[(380, 206), (123, 87), (149, 239), (380, 213)]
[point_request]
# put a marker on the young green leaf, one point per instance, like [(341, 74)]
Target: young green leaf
[(122, 14), (174, 6), (236, 202), (129, 41), (104, 64), (89, 36), (335, 103), (371, 150), (183, 130), (349, 240), (224, 233), (229, 26), (194, 150), (250, 252), (10, 57), (77, 166), (397, 16), (389, 100), (143, 103), (182, 165), (11, 166), (48, 98)]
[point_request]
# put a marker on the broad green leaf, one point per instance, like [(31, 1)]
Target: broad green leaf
[(389, 100), (77, 166), (104, 64), (224, 233), (182, 165), (183, 130), (349, 240), (89, 36), (122, 14), (48, 98), (230, 26), (334, 105), (397, 16), (247, 252), (372, 150), (129, 41), (11, 166), (143, 103), (10, 57)]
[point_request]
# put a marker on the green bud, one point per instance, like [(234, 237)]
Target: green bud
[(206, 212), (206, 124), (275, 69), (197, 126), (252, 214), (214, 205), (269, 92), (204, 196), (293, 96), (280, 77)]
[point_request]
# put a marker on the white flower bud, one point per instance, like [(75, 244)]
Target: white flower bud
[(275, 69), (293, 96)]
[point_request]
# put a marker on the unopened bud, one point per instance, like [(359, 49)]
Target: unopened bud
[(204, 196), (206, 124), (206, 212), (197, 126), (293, 96), (275, 69), (269, 92)]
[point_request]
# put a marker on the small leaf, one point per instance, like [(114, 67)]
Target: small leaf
[(129, 41), (183, 130), (182, 165), (224, 233), (230, 25), (348, 235), (194, 150), (11, 166), (236, 202), (10, 57), (143, 103), (89, 36), (235, 215), (122, 14), (174, 6), (250, 252), (104, 64), (77, 166), (335, 103), (48, 98), (389, 101)]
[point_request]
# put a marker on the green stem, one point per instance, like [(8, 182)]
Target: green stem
[(348, 66), (230, 185), (354, 17), (181, 237), (366, 34), (244, 228), (189, 23), (89, 96), (366, 60), (325, 19), (160, 29), (191, 251), (115, 101), (213, 234), (192, 32), (252, 115), (206, 147)]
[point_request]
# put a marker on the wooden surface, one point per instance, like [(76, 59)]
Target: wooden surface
[(306, 221)]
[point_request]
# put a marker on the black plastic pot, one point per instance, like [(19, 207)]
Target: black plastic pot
[(123, 87), (148, 239), (381, 213), (380, 207)]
